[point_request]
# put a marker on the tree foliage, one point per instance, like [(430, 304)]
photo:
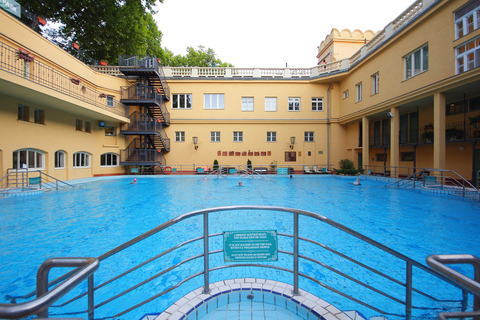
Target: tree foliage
[(103, 29), (194, 58)]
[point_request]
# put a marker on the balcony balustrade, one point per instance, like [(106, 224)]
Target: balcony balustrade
[(25, 65)]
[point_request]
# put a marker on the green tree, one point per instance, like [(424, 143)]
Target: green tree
[(103, 29), (194, 58)]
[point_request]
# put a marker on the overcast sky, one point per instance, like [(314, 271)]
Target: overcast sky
[(267, 33)]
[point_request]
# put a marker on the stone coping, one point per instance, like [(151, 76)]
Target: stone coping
[(196, 304)]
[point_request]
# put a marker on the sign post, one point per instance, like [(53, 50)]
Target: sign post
[(259, 245)]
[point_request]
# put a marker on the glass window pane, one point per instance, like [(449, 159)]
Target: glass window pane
[(425, 58)]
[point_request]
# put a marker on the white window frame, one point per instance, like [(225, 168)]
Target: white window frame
[(81, 160), (345, 94), (270, 104), (181, 101), (214, 136), (420, 56), (293, 104), (109, 159), (110, 101), (214, 101), (60, 159), (467, 56), (271, 136), (34, 159), (462, 24), (359, 91), (247, 103), (317, 104), (375, 83), (309, 136), (179, 136), (237, 136)]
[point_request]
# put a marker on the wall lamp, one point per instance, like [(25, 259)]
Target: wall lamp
[(389, 114), (292, 142), (195, 142)]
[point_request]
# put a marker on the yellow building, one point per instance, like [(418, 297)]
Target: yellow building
[(392, 100)]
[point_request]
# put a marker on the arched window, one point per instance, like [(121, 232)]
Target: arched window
[(81, 160), (59, 160), (28, 159), (109, 160)]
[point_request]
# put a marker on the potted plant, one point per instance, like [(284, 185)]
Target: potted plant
[(249, 165), (453, 134), (427, 136), (475, 121), (215, 165), (273, 165), (428, 126)]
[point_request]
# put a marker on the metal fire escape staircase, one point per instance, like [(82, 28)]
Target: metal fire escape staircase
[(148, 114)]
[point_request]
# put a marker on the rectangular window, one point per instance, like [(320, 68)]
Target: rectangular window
[(416, 62), (110, 131), (467, 56), (406, 156), (293, 104), (214, 101), (359, 92), (345, 94), (237, 136), (317, 104), (271, 136), (39, 116), (380, 156), (215, 136), (309, 136), (179, 136), (375, 82), (23, 113), (110, 101), (59, 160), (88, 127), (270, 104), (182, 101), (247, 103), (79, 125), (467, 19)]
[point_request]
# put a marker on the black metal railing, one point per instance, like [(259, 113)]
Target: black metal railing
[(25, 64), (148, 62), (135, 154), (142, 94)]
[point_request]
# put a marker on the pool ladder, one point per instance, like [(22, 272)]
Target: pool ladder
[(87, 266)]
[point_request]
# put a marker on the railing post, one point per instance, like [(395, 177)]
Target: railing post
[(441, 179), (206, 267), (408, 294), (295, 254), (464, 300), (91, 305)]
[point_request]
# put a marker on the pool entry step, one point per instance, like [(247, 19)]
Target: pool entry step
[(245, 296)]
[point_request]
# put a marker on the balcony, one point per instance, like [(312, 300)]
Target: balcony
[(18, 62)]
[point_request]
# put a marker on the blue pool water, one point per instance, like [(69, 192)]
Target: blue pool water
[(100, 214)]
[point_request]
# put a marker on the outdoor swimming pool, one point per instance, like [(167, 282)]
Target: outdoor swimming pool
[(97, 216)]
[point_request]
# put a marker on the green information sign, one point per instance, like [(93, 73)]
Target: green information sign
[(259, 245)]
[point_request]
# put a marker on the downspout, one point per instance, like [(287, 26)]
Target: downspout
[(328, 124)]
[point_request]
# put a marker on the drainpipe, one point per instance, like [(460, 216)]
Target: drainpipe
[(328, 124)]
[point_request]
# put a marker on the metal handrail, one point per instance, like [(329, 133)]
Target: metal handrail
[(25, 174), (446, 182), (46, 298), (409, 263), (439, 263)]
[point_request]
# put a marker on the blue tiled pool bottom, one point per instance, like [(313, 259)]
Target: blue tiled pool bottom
[(251, 310)]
